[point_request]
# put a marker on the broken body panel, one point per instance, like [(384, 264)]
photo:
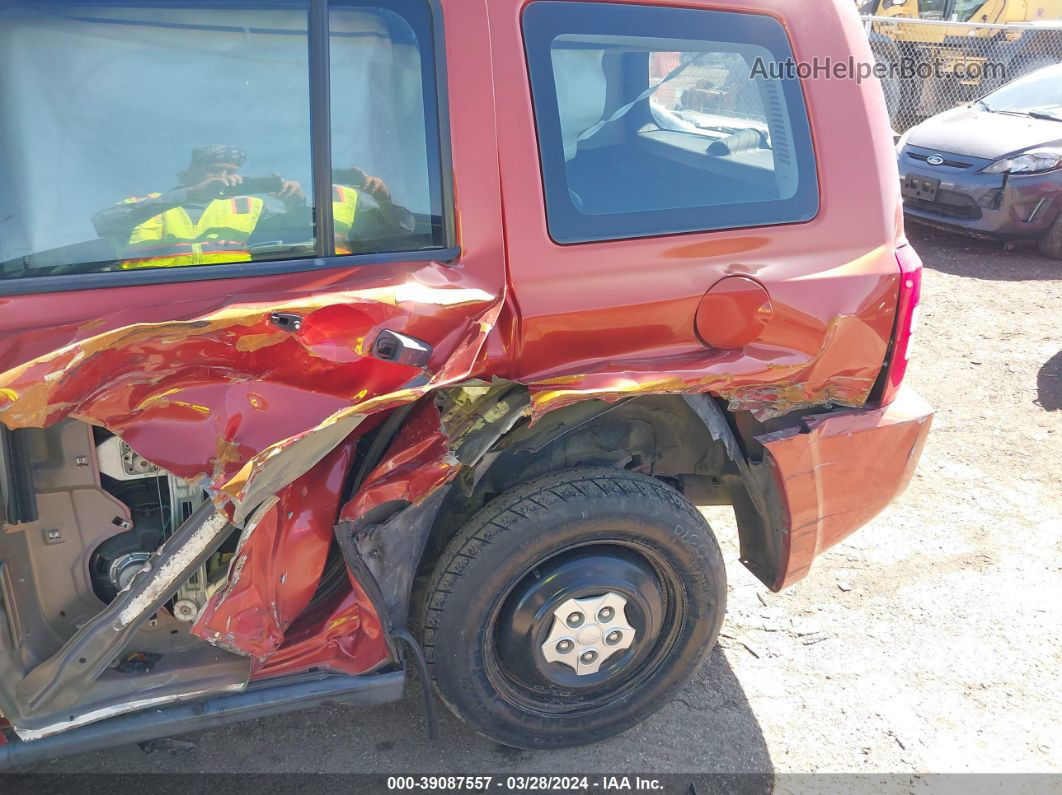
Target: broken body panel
[(201, 379)]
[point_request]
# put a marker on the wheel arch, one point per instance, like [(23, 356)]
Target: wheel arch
[(690, 441)]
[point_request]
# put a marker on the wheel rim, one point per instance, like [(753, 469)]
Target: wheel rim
[(618, 589), (585, 633)]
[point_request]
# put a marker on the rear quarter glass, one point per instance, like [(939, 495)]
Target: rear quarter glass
[(620, 162)]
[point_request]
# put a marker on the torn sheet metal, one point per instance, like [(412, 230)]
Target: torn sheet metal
[(384, 550), (278, 565), (226, 398), (418, 462), (343, 635), (390, 553)]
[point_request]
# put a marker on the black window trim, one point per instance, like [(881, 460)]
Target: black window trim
[(542, 87), (321, 165), (321, 125)]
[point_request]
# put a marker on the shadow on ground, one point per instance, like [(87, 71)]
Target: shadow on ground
[(708, 732), (1049, 384), (960, 255)]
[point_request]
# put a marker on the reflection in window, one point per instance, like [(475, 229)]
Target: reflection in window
[(385, 194), (711, 95), (149, 137), (215, 214), (155, 135)]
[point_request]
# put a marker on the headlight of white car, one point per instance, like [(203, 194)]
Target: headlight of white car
[(1028, 163)]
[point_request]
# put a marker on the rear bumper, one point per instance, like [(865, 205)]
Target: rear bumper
[(835, 472)]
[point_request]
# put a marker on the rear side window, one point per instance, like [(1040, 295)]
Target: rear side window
[(156, 135), (654, 121)]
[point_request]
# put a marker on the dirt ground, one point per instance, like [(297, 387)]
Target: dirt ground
[(930, 641)]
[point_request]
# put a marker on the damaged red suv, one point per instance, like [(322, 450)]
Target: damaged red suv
[(342, 335)]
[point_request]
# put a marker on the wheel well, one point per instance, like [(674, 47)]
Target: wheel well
[(658, 435)]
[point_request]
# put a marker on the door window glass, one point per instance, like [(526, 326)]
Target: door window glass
[(167, 135), (647, 129), (385, 152)]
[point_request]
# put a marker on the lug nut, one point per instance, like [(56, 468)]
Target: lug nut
[(565, 646), (605, 614), (575, 619), (588, 656), (185, 610), (614, 637)]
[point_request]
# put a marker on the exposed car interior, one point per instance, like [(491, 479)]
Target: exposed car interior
[(647, 127)]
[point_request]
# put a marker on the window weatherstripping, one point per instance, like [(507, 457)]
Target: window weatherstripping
[(320, 71), (239, 270)]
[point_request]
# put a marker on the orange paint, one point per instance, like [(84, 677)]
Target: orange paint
[(197, 378), (842, 472)]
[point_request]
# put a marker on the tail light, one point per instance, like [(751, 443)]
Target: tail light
[(907, 311)]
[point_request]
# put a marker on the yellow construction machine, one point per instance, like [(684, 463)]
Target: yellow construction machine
[(935, 66)]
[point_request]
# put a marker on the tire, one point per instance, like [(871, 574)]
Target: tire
[(509, 586), (1051, 243)]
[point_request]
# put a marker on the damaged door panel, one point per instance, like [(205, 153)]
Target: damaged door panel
[(278, 563), (214, 394), (258, 438), (244, 392), (242, 411)]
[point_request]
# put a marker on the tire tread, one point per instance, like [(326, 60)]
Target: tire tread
[(484, 527)]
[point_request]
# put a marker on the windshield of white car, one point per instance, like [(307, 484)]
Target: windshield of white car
[(1039, 92), (1047, 114)]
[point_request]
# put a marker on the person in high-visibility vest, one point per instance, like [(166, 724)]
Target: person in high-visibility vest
[(200, 222), (364, 215)]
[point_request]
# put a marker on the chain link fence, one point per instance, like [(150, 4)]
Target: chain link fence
[(928, 66)]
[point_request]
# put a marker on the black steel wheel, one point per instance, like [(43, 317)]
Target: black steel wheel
[(573, 607)]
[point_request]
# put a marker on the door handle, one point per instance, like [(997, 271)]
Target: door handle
[(286, 321), (390, 346)]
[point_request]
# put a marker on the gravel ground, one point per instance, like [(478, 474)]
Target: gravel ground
[(930, 641)]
